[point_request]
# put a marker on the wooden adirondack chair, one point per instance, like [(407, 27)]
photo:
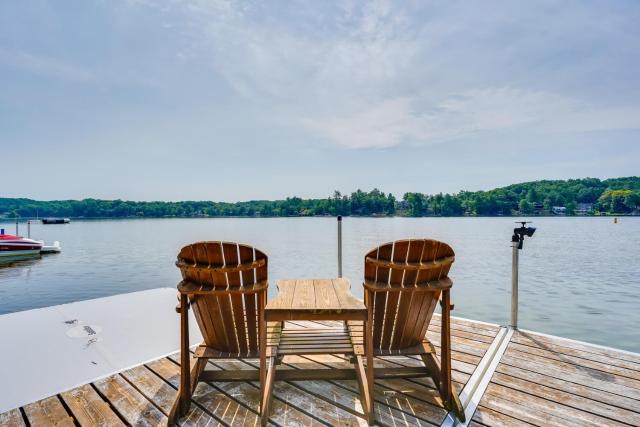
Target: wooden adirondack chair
[(226, 285), (403, 282)]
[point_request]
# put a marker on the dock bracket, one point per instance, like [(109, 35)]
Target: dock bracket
[(479, 381)]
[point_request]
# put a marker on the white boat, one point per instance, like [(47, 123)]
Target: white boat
[(18, 246)]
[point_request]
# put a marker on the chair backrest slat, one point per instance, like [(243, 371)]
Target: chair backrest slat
[(231, 258), (380, 275), (228, 320), (406, 318), (247, 254), (399, 255), (401, 319)]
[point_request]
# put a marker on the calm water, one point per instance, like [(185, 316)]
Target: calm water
[(580, 277)]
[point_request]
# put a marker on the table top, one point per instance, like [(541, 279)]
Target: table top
[(315, 299)]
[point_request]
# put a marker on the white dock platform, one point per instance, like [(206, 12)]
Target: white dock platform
[(48, 350)]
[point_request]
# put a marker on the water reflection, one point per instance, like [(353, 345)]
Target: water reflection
[(16, 261)]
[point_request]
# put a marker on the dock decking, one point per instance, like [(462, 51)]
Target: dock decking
[(542, 380), (514, 378)]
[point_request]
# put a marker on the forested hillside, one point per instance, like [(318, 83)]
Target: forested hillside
[(589, 196)]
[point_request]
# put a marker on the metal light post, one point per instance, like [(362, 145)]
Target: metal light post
[(517, 243), (514, 285), (339, 245)]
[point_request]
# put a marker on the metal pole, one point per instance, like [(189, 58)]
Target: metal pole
[(339, 245), (17, 226), (29, 228), (514, 286)]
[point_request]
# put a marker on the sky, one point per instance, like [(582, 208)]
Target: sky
[(227, 101)]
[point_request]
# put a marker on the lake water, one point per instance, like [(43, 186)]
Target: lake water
[(579, 277)]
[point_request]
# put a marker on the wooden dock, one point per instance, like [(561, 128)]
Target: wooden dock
[(506, 378)]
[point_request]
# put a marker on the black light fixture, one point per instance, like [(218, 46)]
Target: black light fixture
[(520, 232)]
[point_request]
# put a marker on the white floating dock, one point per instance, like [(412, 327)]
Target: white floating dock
[(51, 249), (50, 350)]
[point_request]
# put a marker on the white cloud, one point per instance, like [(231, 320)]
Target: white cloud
[(375, 75), (394, 121)]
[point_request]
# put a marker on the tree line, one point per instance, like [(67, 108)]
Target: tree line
[(589, 196)]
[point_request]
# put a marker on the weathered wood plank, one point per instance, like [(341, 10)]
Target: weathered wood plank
[(580, 375), (12, 418), (284, 298), (315, 299), (529, 341), (402, 362), (428, 408), (215, 401), (347, 300), (325, 295), (526, 413), (567, 399), (48, 412), (540, 340), (457, 322), (129, 403), (473, 336), (479, 348), (489, 417), (304, 297), (162, 395), (600, 366), (348, 398), (554, 411), (151, 386), (462, 357), (249, 394), (314, 405), (592, 394), (88, 407)]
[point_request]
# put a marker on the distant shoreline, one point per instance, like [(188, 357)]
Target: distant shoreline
[(604, 215), (579, 197)]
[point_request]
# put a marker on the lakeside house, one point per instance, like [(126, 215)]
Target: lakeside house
[(584, 209)]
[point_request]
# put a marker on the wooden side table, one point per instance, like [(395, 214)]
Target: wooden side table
[(320, 299)]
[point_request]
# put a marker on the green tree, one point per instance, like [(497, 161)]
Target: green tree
[(416, 203), (525, 207), (632, 200)]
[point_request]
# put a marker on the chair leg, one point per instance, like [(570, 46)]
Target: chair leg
[(363, 383), (368, 348), (445, 346), (267, 390), (449, 394), (262, 344), (183, 400)]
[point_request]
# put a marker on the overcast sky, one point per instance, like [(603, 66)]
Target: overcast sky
[(223, 100)]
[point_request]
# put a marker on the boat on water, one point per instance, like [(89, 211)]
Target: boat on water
[(11, 245), (56, 220)]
